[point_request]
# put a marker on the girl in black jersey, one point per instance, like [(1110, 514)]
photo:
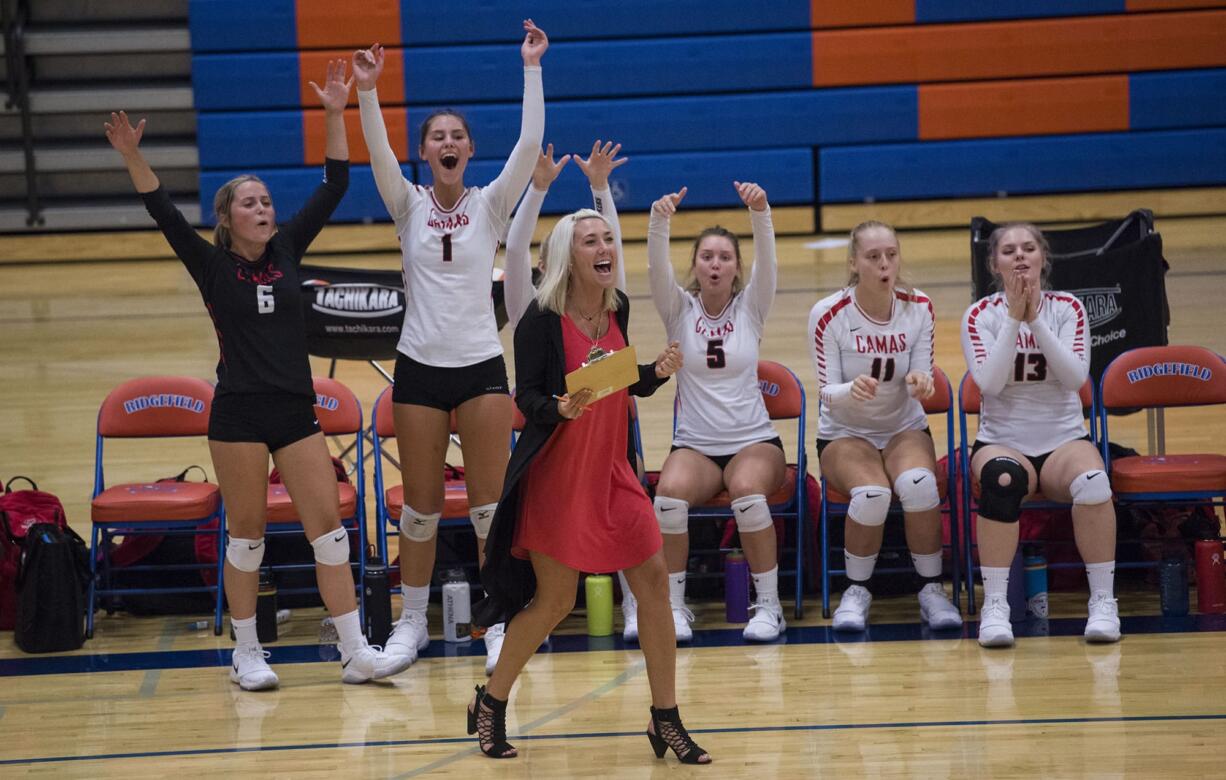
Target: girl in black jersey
[(264, 401)]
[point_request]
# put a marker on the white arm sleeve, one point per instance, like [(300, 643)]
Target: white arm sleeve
[(760, 292), (989, 355), (1067, 352), (921, 353), (828, 363), (504, 191), (517, 280), (666, 294), (389, 179), (602, 201)]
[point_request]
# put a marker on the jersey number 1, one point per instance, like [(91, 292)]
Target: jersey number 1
[(715, 354), (446, 247), (876, 371), (264, 301)]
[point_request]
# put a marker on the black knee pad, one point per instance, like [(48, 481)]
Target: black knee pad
[(1002, 504)]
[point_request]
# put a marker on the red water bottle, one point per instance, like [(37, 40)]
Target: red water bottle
[(1210, 577)]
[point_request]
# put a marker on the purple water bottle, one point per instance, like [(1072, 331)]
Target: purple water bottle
[(736, 588)]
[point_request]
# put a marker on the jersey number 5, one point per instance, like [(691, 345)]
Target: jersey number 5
[(715, 354), (263, 298), (1038, 367), (877, 373)]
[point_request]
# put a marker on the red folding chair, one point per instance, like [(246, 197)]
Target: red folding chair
[(152, 407)]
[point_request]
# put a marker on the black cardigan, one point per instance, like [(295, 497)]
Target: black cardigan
[(540, 373)]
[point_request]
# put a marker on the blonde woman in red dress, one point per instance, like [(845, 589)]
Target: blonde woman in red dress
[(571, 501)]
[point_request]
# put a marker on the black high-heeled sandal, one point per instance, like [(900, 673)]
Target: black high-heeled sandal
[(488, 720), (669, 733)]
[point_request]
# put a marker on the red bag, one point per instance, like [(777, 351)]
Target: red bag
[(20, 509)]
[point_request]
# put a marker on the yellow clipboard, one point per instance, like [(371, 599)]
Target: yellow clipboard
[(606, 374)]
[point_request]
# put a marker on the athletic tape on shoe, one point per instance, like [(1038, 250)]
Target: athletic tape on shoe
[(1090, 488), (752, 513), (673, 515), (869, 504), (417, 527), (1002, 503), (245, 554), (917, 490), (332, 549), (482, 518)]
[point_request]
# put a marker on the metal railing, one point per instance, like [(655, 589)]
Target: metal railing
[(13, 15)]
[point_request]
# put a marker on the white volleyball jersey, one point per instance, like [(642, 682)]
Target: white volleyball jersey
[(719, 403), (448, 254), (844, 343), (1029, 374)]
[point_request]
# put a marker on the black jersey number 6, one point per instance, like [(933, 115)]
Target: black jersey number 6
[(715, 354), (263, 298)]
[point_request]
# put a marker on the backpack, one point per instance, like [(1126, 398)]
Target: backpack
[(51, 589), (20, 509)]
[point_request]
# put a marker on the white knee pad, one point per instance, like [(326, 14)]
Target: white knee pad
[(917, 490), (673, 515), (752, 513), (245, 554), (417, 527), (869, 504), (1090, 488), (482, 517), (332, 549)]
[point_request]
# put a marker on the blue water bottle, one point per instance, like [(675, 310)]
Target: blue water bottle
[(1036, 581)]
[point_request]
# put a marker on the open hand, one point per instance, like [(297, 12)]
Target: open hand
[(367, 67), (600, 163), (122, 135), (335, 93), (667, 206), (546, 169)]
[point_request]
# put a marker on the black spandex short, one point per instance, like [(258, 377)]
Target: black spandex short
[(824, 443), (272, 419), (446, 388), (1035, 460), (723, 460)]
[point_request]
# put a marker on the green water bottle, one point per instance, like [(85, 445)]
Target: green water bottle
[(599, 590)]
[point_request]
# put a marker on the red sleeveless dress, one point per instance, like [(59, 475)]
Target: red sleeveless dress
[(581, 503)]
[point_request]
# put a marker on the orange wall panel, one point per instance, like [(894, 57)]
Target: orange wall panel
[(860, 13), (314, 135), (326, 23), (1035, 107), (992, 50), (313, 66)]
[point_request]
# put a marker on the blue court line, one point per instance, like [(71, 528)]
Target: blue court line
[(578, 643), (814, 727)]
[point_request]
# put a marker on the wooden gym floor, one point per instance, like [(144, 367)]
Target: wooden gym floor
[(149, 697)]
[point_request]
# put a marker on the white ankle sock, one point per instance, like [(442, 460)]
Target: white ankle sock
[(349, 630), (1102, 578), (244, 631), (927, 565), (766, 585), (859, 567), (995, 580), (415, 599), (676, 587)]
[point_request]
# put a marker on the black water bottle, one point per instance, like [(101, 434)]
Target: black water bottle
[(266, 608), (378, 599), (1173, 586)]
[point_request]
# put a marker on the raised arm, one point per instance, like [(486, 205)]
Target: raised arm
[(760, 291), (182, 237), (1067, 350), (311, 218), (989, 342), (668, 297), (393, 187), (504, 191), (597, 167), (517, 281)]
